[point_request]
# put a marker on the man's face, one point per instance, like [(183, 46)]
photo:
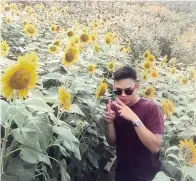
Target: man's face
[(126, 90)]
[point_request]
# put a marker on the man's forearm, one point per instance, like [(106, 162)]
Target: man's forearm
[(148, 138), (111, 134)]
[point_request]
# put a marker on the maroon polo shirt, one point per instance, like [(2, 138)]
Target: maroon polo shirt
[(134, 161)]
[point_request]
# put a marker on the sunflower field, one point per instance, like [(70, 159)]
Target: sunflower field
[(57, 64)]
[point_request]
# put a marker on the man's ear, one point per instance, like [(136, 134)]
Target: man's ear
[(137, 85)]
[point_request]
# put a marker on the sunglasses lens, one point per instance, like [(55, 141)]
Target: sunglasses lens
[(128, 92), (118, 92)]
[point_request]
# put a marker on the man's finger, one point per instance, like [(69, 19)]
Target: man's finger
[(117, 105), (120, 102), (109, 104)]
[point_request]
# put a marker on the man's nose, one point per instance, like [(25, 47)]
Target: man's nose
[(123, 94)]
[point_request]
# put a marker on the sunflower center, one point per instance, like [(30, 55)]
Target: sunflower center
[(84, 38), (69, 56), (148, 92), (70, 33), (53, 48), (108, 40), (30, 30), (20, 79), (111, 66), (154, 74), (57, 43), (147, 65)]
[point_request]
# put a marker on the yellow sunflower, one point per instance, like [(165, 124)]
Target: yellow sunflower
[(149, 92), (4, 48), (188, 149), (111, 66), (101, 89), (8, 19), (53, 49), (85, 38), (151, 58), (108, 38), (147, 66), (29, 57), (64, 98), (57, 43), (20, 78), (183, 81), (30, 30), (96, 48), (91, 68), (146, 54), (70, 56), (53, 27), (93, 37), (154, 74), (168, 107), (173, 70), (145, 76)]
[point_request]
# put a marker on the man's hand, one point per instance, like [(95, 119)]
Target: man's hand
[(125, 111), (109, 113)]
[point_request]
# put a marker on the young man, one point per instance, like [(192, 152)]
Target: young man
[(135, 125)]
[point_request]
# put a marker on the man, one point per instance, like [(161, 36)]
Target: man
[(135, 125)]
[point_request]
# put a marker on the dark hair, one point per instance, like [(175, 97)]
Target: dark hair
[(125, 73)]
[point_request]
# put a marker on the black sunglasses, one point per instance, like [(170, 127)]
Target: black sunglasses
[(127, 91)]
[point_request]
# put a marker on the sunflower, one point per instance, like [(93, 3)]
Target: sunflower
[(188, 149), (64, 98), (146, 54), (149, 92), (29, 57), (53, 49), (93, 37), (58, 28), (4, 48), (30, 30), (101, 89), (57, 43), (108, 38), (91, 68), (147, 66), (173, 70), (70, 56), (145, 76), (151, 58), (183, 81), (96, 48), (53, 27), (111, 66), (85, 38), (168, 107), (8, 19), (20, 78), (154, 74)]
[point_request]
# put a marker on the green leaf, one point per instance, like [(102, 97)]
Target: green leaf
[(43, 129), (20, 170), (160, 176), (93, 159), (64, 175), (70, 142), (190, 171), (38, 104), (4, 111), (27, 137), (33, 156), (76, 109), (172, 148), (63, 150)]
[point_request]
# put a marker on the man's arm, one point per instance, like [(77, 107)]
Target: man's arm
[(150, 140), (110, 129), (111, 134)]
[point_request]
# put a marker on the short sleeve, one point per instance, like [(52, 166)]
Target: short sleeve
[(154, 119)]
